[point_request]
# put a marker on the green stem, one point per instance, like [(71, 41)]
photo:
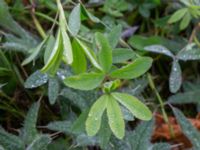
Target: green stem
[(38, 26), (152, 85)]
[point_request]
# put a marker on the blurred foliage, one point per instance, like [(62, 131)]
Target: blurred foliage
[(57, 59)]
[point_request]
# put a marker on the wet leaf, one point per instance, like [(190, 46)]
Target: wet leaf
[(159, 49), (53, 90), (75, 98), (185, 98), (189, 53), (36, 79), (175, 79)]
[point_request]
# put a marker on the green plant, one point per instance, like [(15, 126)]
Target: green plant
[(190, 10), (81, 74)]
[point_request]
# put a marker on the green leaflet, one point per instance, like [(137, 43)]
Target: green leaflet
[(36, 79), (78, 125), (115, 118), (89, 53), (67, 53), (189, 53), (93, 121), (53, 90), (29, 129), (105, 51), (104, 134), (62, 126), (188, 129), (121, 55), (186, 97), (79, 64), (133, 70), (85, 81), (185, 21), (10, 24), (35, 51), (159, 49), (141, 135), (115, 35), (178, 15), (87, 15), (75, 20), (55, 57), (137, 108), (175, 79), (48, 49)]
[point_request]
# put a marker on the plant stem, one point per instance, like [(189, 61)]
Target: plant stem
[(152, 85), (36, 22)]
